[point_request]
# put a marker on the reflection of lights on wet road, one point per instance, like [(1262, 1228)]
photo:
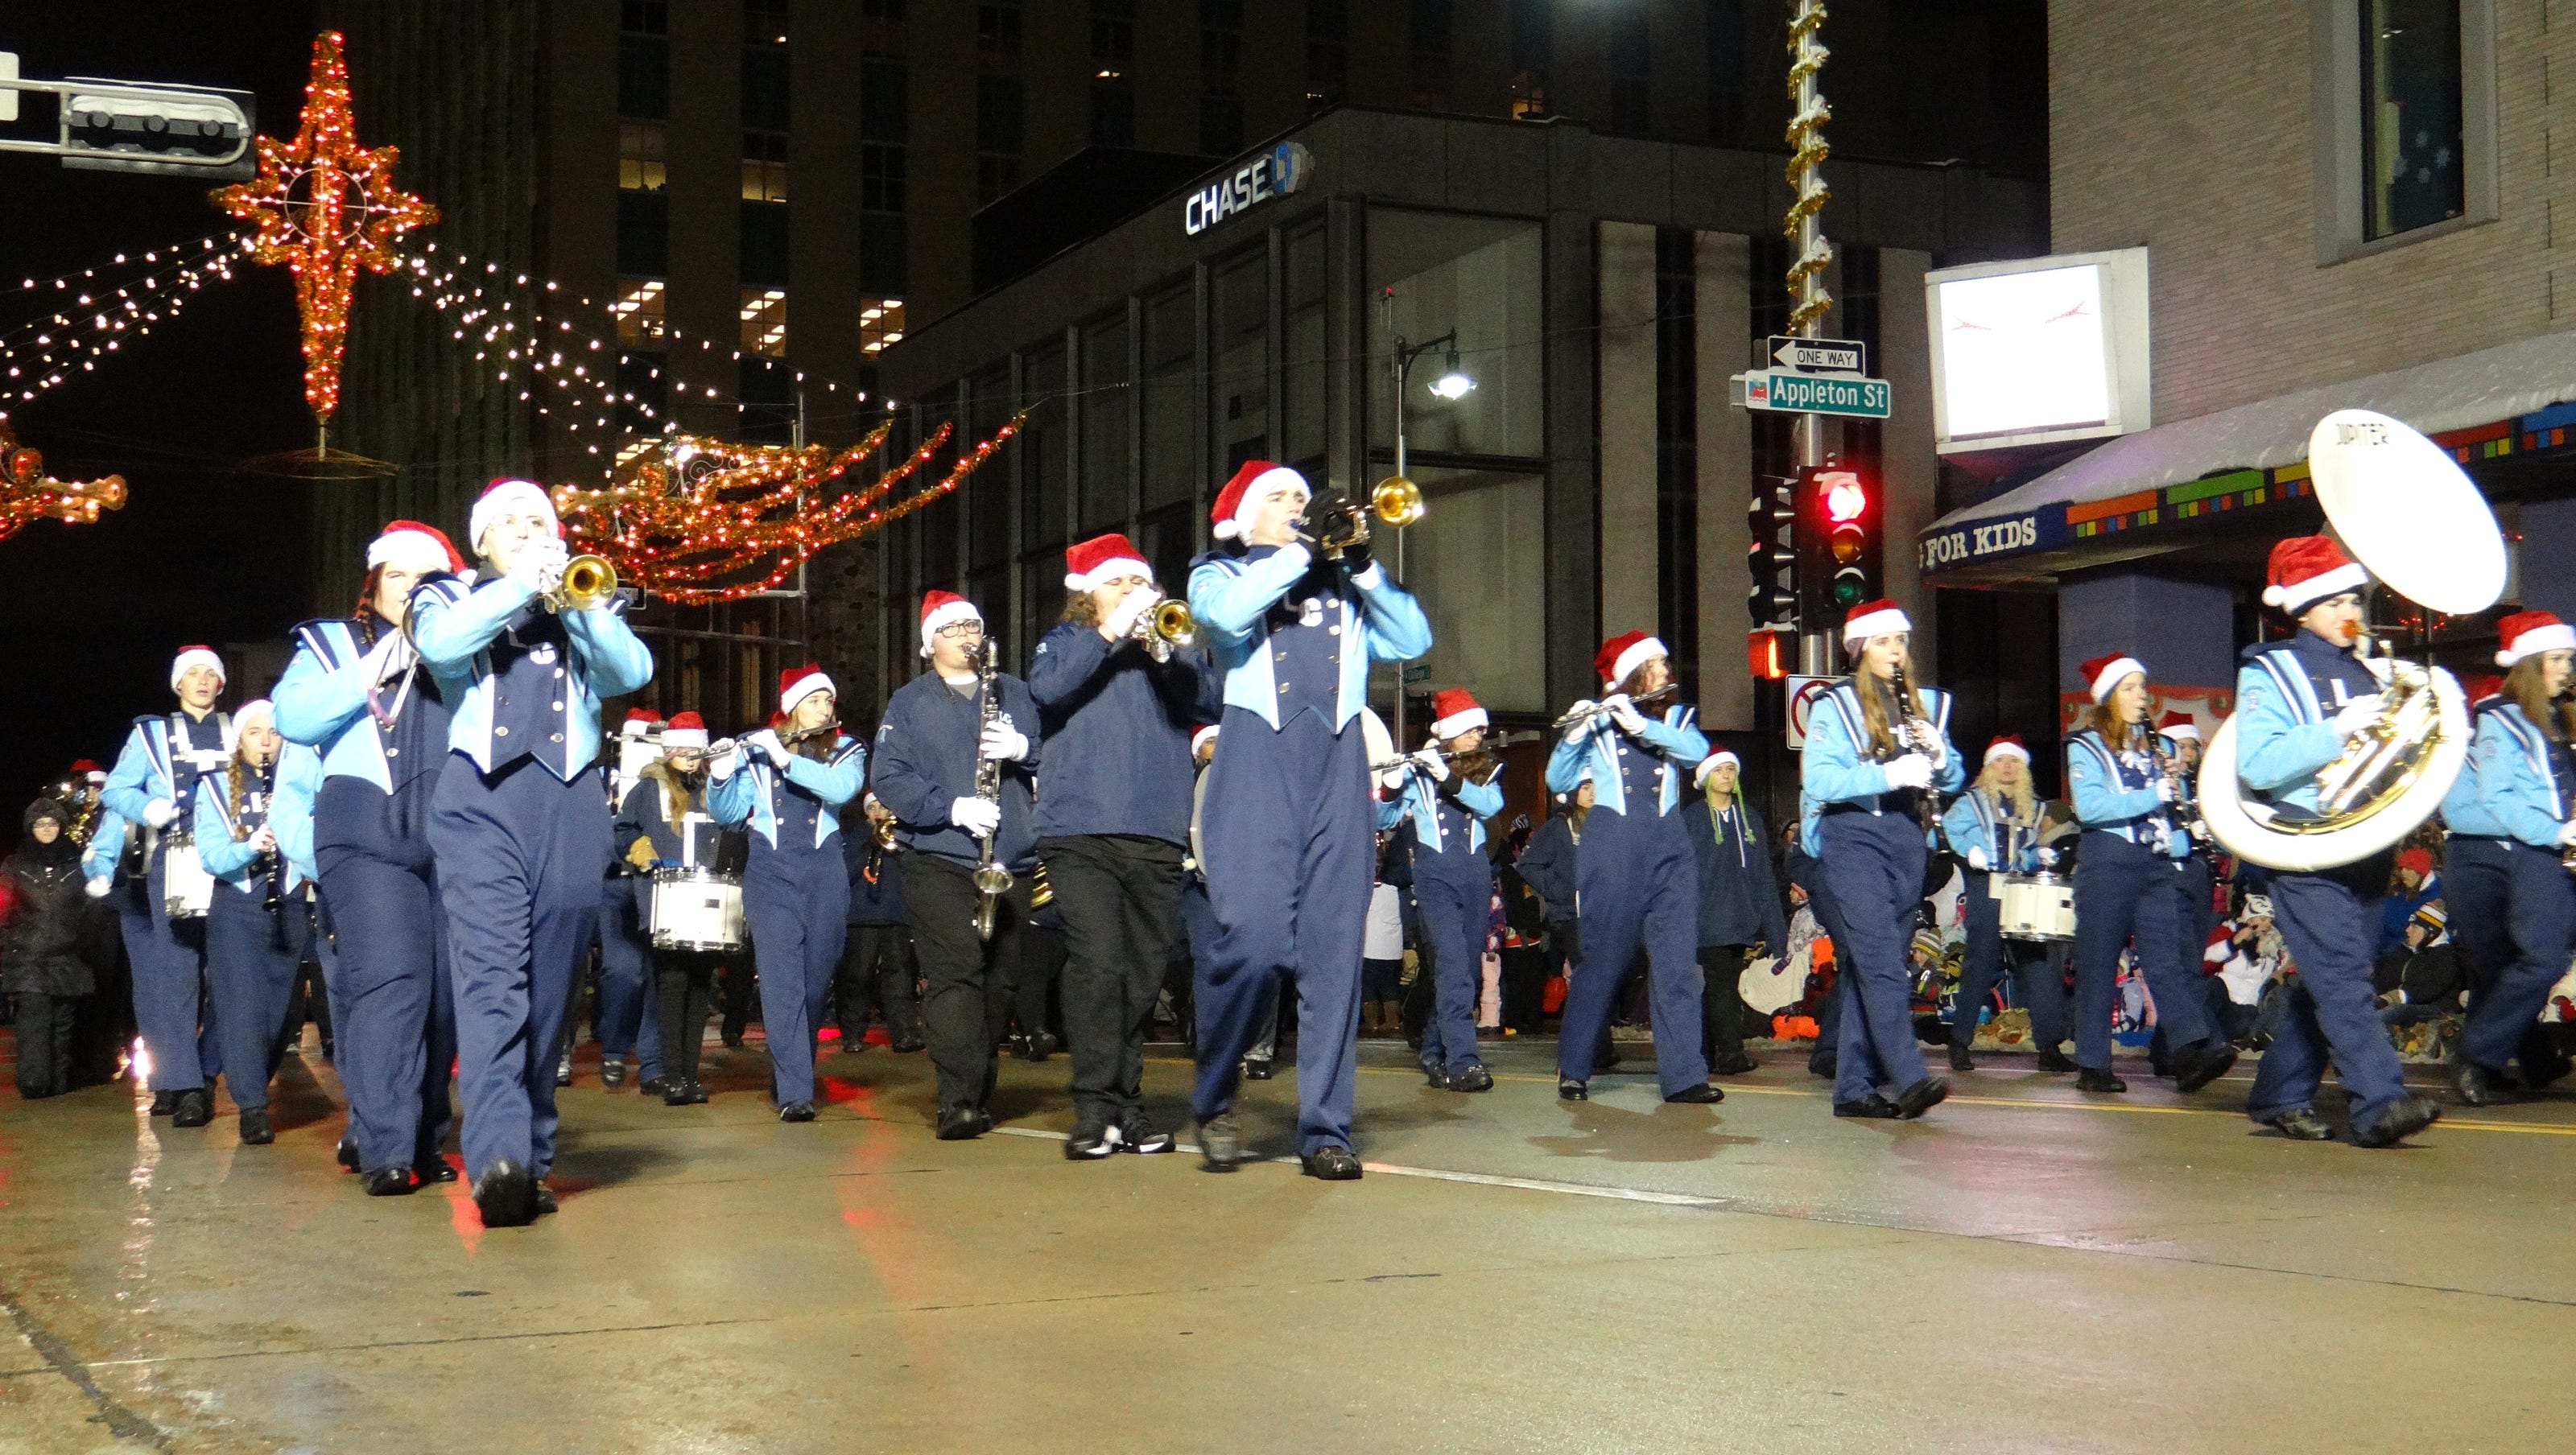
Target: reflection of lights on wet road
[(140, 1063)]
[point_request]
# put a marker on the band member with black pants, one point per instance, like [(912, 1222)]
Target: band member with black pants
[(153, 784), (664, 822), (788, 783), (1113, 820), (1442, 806), (1287, 830), (255, 924), (623, 1018), (2134, 883), (2297, 701), (1741, 914), (877, 968), (1994, 829), (519, 824), (928, 751)]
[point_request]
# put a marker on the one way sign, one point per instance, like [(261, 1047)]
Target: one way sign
[(1818, 355)]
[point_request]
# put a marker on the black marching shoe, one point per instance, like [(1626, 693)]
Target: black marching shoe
[(2202, 1064), (255, 1130), (1220, 1146), (1092, 1140), (541, 1198), (503, 1194), (164, 1103), (196, 1108), (1921, 1097), (796, 1111), (1137, 1133), (906, 1045), (1257, 1069), (1960, 1060), (387, 1182), (1569, 1089), (1331, 1163), (697, 1092), (1700, 1095), (1872, 1107), (1436, 1076), (612, 1071), (2055, 1062), (654, 1085), (2088, 1079), (2475, 1085), (2405, 1117), (2553, 1069), (1473, 1078), (1734, 1063), (676, 1093), (959, 1124), (2299, 1124), (347, 1152), (433, 1169)]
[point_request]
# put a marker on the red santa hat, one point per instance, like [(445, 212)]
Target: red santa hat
[(1202, 738), (2419, 860), (2104, 673), (1232, 513), (938, 609), (1624, 654), (1873, 619), (1711, 763), (2481, 685), (2179, 725), (639, 721), (414, 547), (88, 771), (686, 731), (195, 656), (2008, 746), (2307, 569), (798, 683), (1094, 563), (504, 496), (2529, 633), (1453, 711), (258, 709)]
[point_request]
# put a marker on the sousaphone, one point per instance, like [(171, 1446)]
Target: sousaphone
[(2405, 510)]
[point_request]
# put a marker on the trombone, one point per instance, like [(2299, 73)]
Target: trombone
[(1340, 524)]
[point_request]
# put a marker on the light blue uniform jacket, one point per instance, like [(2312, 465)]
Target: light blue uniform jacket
[(1232, 595), (745, 797), (1833, 769)]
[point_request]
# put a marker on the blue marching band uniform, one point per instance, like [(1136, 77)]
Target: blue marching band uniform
[(1990, 844), (255, 922), (1453, 887)]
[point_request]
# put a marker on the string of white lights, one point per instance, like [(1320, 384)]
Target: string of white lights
[(47, 352)]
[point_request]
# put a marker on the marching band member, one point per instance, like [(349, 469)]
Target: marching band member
[(877, 967), (1637, 878), (356, 692), (2296, 703), (1444, 805), (928, 750), (1872, 761), (665, 820), (518, 823), (788, 782), (153, 783), (2525, 787), (1740, 911), (624, 1019), (1994, 829), (2134, 882), (1113, 820), (255, 924), (1287, 828)]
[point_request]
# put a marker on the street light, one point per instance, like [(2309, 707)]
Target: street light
[(1452, 385)]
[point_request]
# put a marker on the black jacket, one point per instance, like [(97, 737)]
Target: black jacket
[(48, 904), (1739, 898), (1549, 865)]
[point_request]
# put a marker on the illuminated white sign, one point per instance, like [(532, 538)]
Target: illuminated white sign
[(1275, 173), (2039, 350)]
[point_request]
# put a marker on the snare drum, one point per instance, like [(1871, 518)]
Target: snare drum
[(2036, 906), (696, 909), (187, 890)]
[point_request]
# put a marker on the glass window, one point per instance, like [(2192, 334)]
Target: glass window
[(641, 393), (880, 324), (1220, 123), (764, 322), (1533, 47), (885, 101), (1113, 111), (764, 166), (1478, 563), (1328, 52), (1169, 537), (764, 87), (1239, 392), (1308, 373), (639, 311), (764, 244), (884, 252), (1433, 25), (988, 490), (641, 148), (1479, 276), (644, 60), (2412, 144), (1171, 470), (764, 22), (643, 234), (997, 34), (1042, 440), (1106, 400)]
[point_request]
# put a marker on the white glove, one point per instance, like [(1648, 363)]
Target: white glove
[(1121, 620), (769, 744), (2567, 835), (2164, 790), (1977, 860), (2047, 858), (540, 564), (265, 841), (390, 658), (2357, 714), (724, 765), (1003, 743), (158, 813), (1392, 779), (1582, 712), (976, 816), (1433, 764), (2382, 668), (1625, 714), (1911, 771), (98, 885), (2199, 829)]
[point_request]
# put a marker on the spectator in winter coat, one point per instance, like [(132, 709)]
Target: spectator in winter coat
[(1740, 913), (40, 960)]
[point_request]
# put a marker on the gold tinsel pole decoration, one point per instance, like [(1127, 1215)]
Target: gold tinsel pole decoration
[(28, 494), (1808, 300)]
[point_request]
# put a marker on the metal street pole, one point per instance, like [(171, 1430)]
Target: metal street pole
[(1809, 301), (1403, 367)]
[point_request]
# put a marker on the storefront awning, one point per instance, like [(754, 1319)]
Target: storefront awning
[(2494, 402)]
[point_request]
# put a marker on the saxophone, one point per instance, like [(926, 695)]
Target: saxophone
[(992, 881)]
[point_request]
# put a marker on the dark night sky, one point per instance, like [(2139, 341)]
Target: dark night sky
[(204, 550)]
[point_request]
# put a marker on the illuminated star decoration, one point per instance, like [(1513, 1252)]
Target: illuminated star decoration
[(28, 495), (325, 207), (740, 519)]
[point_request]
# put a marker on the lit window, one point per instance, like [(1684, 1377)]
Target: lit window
[(880, 323), (640, 149), (764, 321), (764, 166), (638, 310)]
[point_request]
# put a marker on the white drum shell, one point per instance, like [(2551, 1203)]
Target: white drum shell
[(696, 909), (2036, 907), (187, 890)]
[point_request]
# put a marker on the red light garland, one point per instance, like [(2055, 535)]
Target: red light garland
[(28, 495), (743, 526), (325, 207)]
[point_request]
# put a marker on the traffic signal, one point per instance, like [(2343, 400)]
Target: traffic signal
[(1847, 518), (128, 126), (1771, 560), (1768, 652)]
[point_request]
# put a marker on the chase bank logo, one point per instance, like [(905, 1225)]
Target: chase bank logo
[(1276, 173)]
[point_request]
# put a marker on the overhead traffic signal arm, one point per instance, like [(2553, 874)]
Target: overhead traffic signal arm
[(125, 126)]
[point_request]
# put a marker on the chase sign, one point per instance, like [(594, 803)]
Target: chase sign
[(1275, 173)]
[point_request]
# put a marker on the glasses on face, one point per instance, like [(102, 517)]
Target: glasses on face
[(958, 631)]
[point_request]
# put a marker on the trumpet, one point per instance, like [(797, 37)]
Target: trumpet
[(1163, 626), (588, 582), (1341, 524)]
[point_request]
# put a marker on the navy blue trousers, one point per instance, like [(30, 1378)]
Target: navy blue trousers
[(2329, 923), (2036, 984), (2128, 893), (1290, 840), (625, 1020), (1639, 887), (520, 857), (395, 998), (2540, 924), (251, 958), (2476, 892), (797, 903), (169, 964), (1456, 911), (1873, 865)]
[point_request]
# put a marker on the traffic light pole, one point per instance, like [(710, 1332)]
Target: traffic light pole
[(1809, 301)]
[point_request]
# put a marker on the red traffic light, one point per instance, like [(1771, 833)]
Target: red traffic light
[(1766, 655), (1845, 500)]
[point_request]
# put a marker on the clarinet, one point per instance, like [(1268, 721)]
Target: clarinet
[(1914, 735), (992, 881), (2185, 807)]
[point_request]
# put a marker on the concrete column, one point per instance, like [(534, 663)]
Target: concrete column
[(1909, 463), (2545, 561), (1628, 547), (1573, 524), (1724, 314), (2183, 630)]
